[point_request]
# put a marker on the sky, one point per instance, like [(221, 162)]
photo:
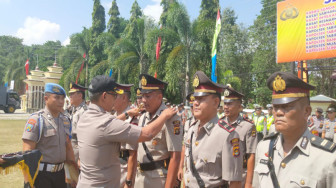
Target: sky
[(37, 21)]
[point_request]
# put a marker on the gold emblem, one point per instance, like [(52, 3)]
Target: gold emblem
[(56, 89), (279, 84), (289, 13), (192, 98), (143, 81), (226, 93), (196, 81), (138, 92)]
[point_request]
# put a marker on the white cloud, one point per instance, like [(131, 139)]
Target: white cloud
[(66, 41), (37, 31), (154, 11)]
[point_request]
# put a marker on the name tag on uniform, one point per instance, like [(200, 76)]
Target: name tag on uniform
[(263, 161)]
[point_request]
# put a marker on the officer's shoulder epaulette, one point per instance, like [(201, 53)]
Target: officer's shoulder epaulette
[(225, 125), (193, 123), (248, 120), (323, 144), (270, 136)]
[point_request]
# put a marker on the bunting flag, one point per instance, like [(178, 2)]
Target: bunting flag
[(158, 46), (27, 161), (214, 48), (81, 68), (27, 67)]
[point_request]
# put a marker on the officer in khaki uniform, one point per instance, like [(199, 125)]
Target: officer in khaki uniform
[(128, 152), (246, 130), (212, 150), (158, 158), (48, 130), (329, 127), (100, 134), (315, 122), (77, 101), (293, 157)]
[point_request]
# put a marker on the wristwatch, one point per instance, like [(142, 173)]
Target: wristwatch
[(129, 182), (126, 114)]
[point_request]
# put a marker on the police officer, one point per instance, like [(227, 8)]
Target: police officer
[(315, 122), (293, 157), (77, 101), (100, 134), (329, 127), (212, 148), (260, 122), (128, 152), (246, 130), (48, 130), (158, 158), (270, 119)]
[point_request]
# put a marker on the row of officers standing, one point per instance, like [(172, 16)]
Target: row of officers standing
[(150, 146)]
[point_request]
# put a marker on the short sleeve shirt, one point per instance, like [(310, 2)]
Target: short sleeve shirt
[(330, 128), (216, 155), (52, 143), (304, 166), (99, 136)]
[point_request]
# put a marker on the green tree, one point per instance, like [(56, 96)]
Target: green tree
[(209, 9), (136, 13), (165, 6), (113, 25)]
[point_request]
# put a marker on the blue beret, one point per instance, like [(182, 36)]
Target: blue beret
[(54, 88)]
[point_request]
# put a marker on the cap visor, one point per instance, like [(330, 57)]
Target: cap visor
[(148, 90), (285, 100), (200, 94), (230, 100)]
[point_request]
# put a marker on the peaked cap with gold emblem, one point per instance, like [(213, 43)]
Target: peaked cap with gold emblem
[(231, 94), (287, 87), (149, 83), (76, 87), (204, 86), (190, 98), (102, 83), (138, 92), (125, 87)]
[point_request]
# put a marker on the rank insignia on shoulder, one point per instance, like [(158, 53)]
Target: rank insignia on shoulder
[(225, 126), (253, 133), (323, 144), (270, 136)]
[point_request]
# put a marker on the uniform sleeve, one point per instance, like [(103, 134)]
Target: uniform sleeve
[(232, 158), (174, 133), (255, 181), (67, 125), (31, 130), (251, 139), (120, 131)]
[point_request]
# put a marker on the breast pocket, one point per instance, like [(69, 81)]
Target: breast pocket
[(207, 164), (156, 141), (262, 171), (302, 181)]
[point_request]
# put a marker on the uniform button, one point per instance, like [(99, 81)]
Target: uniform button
[(196, 143), (161, 174), (283, 165), (188, 180), (206, 160), (302, 182)]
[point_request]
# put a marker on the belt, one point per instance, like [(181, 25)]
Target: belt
[(154, 165), (51, 167)]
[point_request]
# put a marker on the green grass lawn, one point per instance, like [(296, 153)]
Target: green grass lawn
[(10, 141)]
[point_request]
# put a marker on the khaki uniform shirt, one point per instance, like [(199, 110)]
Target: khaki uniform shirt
[(315, 124), (52, 143), (216, 155), (304, 166), (99, 136), (169, 139), (247, 134), (77, 113), (187, 126), (330, 128)]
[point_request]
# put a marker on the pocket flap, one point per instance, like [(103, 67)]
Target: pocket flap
[(208, 157), (262, 167), (302, 181)]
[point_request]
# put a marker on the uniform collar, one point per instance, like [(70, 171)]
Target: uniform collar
[(303, 144), (210, 125), (80, 105), (158, 112), (96, 107), (236, 122)]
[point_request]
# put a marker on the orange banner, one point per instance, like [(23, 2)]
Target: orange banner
[(306, 30)]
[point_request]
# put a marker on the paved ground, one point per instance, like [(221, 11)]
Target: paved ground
[(17, 115)]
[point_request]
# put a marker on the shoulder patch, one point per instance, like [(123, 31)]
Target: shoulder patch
[(248, 120), (225, 126), (270, 136), (323, 144)]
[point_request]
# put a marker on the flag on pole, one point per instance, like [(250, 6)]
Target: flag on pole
[(81, 68), (27, 67), (214, 48), (111, 71), (158, 46)]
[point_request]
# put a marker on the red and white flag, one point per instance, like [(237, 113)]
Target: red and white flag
[(27, 67)]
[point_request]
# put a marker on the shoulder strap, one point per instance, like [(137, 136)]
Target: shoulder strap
[(271, 136), (148, 154), (40, 126), (270, 164), (200, 182), (223, 124), (323, 144)]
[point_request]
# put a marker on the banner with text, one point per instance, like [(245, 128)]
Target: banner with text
[(306, 30)]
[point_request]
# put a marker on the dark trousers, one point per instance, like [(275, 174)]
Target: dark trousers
[(50, 179)]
